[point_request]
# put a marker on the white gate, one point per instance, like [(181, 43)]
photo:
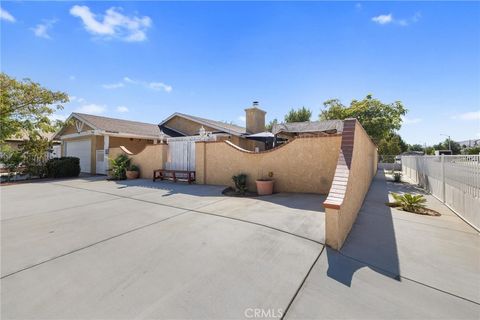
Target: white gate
[(181, 152)]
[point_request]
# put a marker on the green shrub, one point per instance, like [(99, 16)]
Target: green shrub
[(410, 202), (119, 167), (63, 167), (133, 167), (240, 183), (397, 177)]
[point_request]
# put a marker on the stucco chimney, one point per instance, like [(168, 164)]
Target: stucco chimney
[(255, 119)]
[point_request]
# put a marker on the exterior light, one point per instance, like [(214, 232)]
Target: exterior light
[(202, 132)]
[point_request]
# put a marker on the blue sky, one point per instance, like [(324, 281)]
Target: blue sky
[(146, 60)]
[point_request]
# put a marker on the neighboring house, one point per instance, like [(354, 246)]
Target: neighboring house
[(182, 125), (89, 138), (308, 128), (16, 142)]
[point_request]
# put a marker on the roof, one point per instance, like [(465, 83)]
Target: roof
[(308, 126), (219, 125), (23, 136), (112, 125)]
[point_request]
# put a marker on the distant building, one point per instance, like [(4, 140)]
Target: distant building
[(469, 143)]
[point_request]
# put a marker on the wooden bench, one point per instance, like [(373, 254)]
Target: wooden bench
[(174, 175)]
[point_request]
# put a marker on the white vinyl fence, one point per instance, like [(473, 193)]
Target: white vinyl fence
[(454, 180)]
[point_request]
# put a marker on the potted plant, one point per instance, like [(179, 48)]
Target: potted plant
[(132, 172), (265, 185), (119, 167)]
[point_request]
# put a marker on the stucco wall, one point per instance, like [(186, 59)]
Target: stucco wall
[(355, 170), (152, 157), (303, 165)]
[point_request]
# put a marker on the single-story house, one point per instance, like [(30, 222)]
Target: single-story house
[(182, 125), (89, 138)]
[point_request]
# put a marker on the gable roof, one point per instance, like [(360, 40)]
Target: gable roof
[(309, 126), (219, 125), (118, 126)]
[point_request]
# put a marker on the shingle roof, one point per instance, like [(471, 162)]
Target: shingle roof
[(119, 125), (309, 126), (223, 126)]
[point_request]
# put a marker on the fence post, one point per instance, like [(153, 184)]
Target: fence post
[(443, 177)]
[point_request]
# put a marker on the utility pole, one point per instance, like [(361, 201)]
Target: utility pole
[(449, 141)]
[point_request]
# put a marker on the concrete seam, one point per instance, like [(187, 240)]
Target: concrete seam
[(398, 277), (301, 284)]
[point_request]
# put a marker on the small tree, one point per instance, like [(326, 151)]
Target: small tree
[(35, 155), (269, 126), (26, 106), (415, 147), (11, 159), (379, 119), (445, 145), (300, 115)]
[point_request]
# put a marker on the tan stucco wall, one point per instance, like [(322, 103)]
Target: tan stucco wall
[(132, 144), (303, 165), (361, 172), (151, 158)]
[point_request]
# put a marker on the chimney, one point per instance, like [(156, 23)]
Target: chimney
[(255, 119)]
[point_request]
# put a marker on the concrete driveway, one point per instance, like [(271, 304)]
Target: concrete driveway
[(89, 248), (92, 249)]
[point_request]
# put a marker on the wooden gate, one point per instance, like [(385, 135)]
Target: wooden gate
[(181, 152)]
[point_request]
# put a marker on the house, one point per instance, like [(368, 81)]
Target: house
[(16, 142), (293, 130), (182, 125), (89, 138)]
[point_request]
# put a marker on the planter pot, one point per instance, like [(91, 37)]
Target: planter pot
[(264, 187), (132, 174)]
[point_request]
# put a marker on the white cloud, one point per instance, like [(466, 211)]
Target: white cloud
[(41, 29), (407, 120), (383, 18), (72, 78), (468, 116), (160, 86), (358, 5), (157, 86), (92, 109), (388, 18), (113, 24), (122, 109), (242, 119), (113, 85), (5, 15), (76, 99)]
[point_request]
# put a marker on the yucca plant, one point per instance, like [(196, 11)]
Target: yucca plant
[(240, 183), (119, 167), (410, 202)]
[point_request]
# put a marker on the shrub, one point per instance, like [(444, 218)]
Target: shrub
[(133, 167), (397, 176), (410, 202), (63, 167), (119, 167), (240, 183)]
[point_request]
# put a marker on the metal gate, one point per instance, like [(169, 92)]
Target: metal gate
[(181, 152)]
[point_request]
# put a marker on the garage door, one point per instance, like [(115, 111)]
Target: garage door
[(80, 149)]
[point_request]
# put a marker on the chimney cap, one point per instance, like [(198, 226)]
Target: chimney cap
[(255, 103)]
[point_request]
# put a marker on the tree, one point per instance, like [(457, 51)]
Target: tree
[(415, 147), (455, 146), (26, 106), (473, 150), (379, 119), (11, 159), (300, 115), (35, 154), (392, 145), (269, 126)]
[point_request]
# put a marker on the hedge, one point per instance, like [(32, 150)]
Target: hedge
[(63, 167)]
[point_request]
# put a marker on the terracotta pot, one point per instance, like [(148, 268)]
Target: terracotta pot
[(132, 174), (264, 187)]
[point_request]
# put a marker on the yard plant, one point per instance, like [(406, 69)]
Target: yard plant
[(410, 202), (119, 167), (240, 183)]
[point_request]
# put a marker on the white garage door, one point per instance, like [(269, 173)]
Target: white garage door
[(80, 149)]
